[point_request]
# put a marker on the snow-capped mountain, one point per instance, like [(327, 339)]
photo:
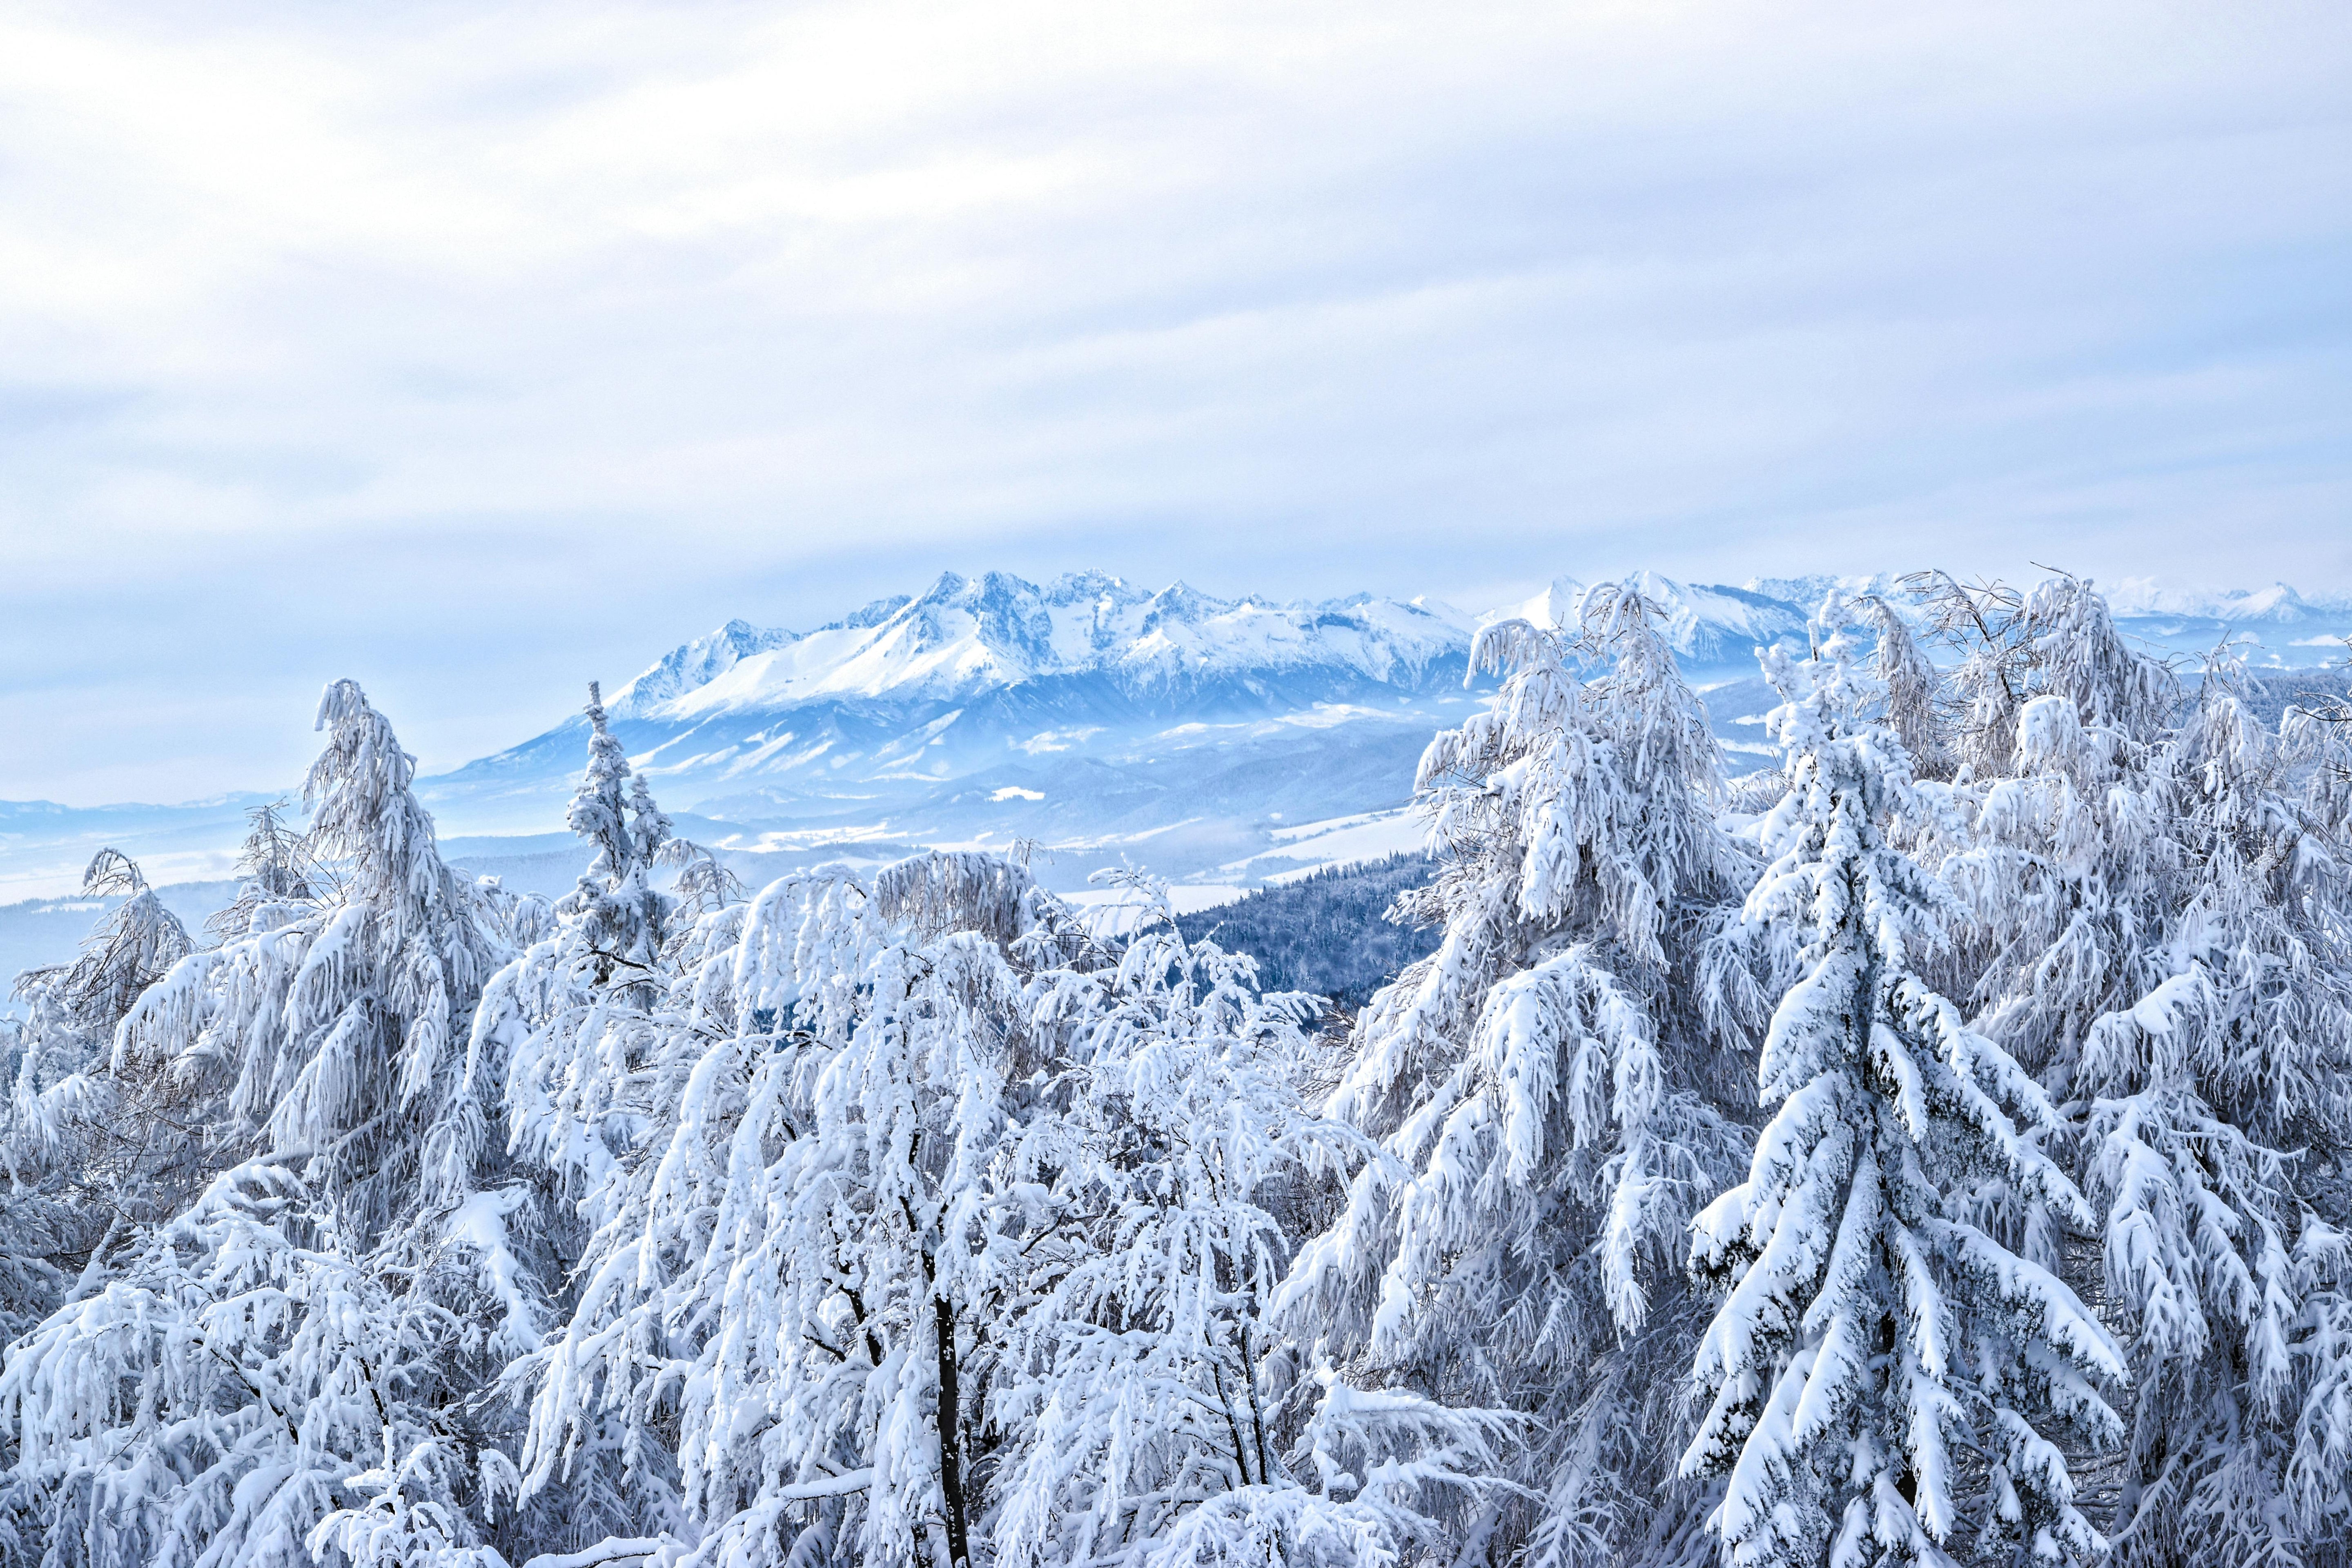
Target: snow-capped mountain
[(2142, 599), (962, 638), (997, 679), (1710, 626), (1099, 715), (1225, 740), (1088, 710), (697, 664)]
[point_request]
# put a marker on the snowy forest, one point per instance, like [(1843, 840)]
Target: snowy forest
[(1929, 1148)]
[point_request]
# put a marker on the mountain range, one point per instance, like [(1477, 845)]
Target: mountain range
[(1209, 738), (1221, 741)]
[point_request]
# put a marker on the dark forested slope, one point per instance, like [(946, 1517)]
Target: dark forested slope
[(1327, 932)]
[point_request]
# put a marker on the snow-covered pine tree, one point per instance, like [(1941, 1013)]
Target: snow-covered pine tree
[(1886, 1376), (1556, 1090), (324, 1308), (2164, 929), (566, 1029)]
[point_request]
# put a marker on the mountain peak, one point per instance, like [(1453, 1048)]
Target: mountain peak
[(2165, 598), (1093, 587), (697, 664), (1181, 603), (1555, 608), (964, 637)]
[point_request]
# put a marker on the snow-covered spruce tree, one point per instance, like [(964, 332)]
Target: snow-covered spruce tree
[(565, 1029), (304, 1342), (1556, 1091), (1885, 1376), (2164, 927), (573, 1033)]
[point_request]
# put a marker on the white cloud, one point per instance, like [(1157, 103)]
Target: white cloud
[(476, 350)]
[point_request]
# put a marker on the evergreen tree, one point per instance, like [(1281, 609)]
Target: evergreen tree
[(321, 1311), (1547, 1087), (1882, 1368)]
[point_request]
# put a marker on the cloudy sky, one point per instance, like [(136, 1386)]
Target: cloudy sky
[(474, 350)]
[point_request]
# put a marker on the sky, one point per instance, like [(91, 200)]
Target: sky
[(478, 350)]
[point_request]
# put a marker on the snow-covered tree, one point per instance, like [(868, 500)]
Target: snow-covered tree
[(275, 866), (2162, 926), (81, 1160), (1143, 1405), (572, 1035), (1550, 1087), (329, 1300), (559, 1029), (1980, 627), (792, 1261), (130, 950), (928, 1229), (1885, 1376), (911, 1218)]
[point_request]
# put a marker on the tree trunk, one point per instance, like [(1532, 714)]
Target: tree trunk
[(948, 1416)]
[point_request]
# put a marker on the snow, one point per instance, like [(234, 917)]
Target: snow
[(2163, 596), (617, 1550), (1300, 850), (961, 636), (733, 1217), (1118, 912), (1706, 624)]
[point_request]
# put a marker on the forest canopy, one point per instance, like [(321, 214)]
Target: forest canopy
[(1931, 1148)]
